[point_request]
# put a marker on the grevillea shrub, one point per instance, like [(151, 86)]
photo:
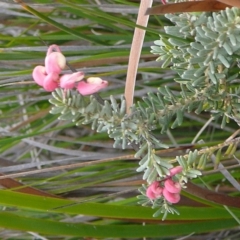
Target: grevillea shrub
[(201, 49)]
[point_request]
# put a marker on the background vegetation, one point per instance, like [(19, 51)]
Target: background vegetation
[(62, 181)]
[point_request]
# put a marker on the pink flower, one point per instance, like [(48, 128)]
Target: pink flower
[(55, 61), (68, 81), (171, 186), (171, 197), (92, 85), (171, 191), (49, 77), (175, 170), (154, 190), (163, 1)]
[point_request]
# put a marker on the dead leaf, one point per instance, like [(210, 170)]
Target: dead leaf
[(198, 6)]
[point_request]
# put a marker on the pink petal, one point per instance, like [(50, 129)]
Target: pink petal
[(51, 82), (38, 74), (172, 187), (164, 2), (55, 61), (92, 85), (154, 185), (171, 197), (68, 81)]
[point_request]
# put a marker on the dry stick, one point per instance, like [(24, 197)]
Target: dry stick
[(83, 164), (131, 156), (135, 52), (64, 167)]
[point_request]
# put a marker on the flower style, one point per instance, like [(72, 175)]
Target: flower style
[(92, 85)]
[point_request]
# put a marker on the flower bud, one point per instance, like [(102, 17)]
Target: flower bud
[(154, 190), (175, 170), (55, 61), (172, 187), (150, 194), (171, 197)]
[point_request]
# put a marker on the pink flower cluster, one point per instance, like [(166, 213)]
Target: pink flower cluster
[(169, 189), (49, 76)]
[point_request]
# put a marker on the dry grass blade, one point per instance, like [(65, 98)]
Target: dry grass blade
[(14, 185), (135, 52), (233, 3), (212, 196), (199, 6)]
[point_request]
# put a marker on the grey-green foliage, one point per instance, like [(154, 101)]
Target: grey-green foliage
[(134, 129), (111, 117), (204, 50)]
